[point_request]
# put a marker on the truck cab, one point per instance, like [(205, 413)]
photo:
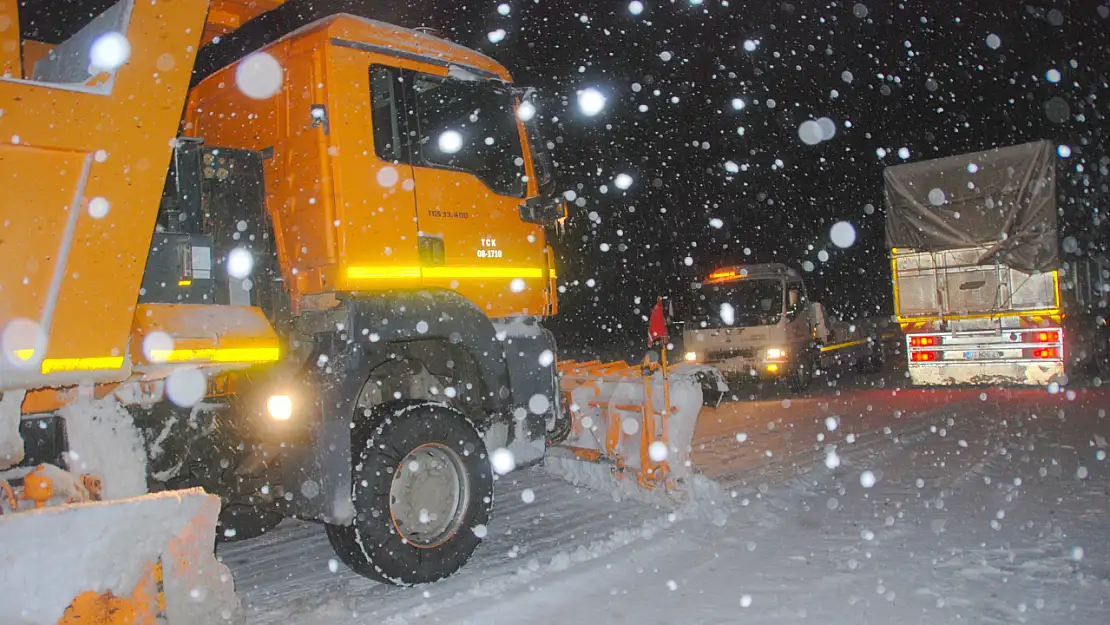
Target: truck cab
[(754, 322)]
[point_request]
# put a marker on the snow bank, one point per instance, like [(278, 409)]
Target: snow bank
[(54, 554), (103, 441), (695, 496), (11, 443)]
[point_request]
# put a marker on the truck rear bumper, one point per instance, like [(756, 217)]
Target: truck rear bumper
[(1018, 356), (1033, 373)]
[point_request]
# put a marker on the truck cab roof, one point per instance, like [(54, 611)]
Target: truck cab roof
[(756, 271)]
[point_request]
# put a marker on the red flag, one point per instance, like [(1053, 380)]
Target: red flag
[(657, 326)]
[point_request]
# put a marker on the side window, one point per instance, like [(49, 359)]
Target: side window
[(795, 299), (541, 158), (472, 127), (385, 102)]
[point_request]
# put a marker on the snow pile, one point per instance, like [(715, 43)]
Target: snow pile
[(55, 554), (11, 443), (104, 442), (693, 497)]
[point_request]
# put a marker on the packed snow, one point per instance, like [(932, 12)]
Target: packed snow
[(111, 547), (104, 442), (910, 526)]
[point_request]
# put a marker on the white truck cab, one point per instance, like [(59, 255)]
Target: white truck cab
[(755, 321)]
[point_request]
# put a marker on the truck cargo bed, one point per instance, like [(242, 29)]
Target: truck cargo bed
[(952, 284)]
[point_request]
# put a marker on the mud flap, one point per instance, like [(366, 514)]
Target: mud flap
[(151, 557)]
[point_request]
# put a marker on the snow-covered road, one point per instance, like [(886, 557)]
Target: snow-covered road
[(988, 506)]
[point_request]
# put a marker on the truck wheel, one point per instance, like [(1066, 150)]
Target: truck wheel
[(802, 375), (242, 522), (421, 484)]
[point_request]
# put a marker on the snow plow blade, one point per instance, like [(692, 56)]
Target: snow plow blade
[(138, 561), (634, 422)]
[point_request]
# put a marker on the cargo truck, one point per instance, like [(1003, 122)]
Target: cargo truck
[(975, 267)]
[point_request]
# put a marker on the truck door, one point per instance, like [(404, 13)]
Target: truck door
[(469, 169), (375, 193), (799, 330)]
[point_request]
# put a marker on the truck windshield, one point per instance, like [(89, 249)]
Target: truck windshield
[(743, 303)]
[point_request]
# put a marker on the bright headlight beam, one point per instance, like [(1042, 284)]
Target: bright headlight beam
[(280, 407)]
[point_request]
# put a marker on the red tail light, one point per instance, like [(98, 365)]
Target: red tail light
[(1046, 337), (1045, 352), (924, 356), (923, 341)]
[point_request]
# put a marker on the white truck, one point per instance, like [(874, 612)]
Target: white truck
[(756, 322), (975, 266)]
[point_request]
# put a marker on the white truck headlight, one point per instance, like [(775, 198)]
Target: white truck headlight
[(280, 407), (775, 353), (691, 356)]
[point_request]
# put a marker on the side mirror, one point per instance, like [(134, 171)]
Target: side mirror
[(793, 312), (541, 210)]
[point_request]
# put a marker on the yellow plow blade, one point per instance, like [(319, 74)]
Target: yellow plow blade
[(632, 424), (143, 560)]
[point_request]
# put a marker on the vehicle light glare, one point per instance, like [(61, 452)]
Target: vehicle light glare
[(280, 407), (526, 111)]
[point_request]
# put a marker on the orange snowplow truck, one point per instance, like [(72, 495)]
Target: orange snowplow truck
[(314, 281)]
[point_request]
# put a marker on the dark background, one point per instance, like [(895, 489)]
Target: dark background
[(924, 78)]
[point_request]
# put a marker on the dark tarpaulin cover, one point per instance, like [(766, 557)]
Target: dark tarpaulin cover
[(1004, 198)]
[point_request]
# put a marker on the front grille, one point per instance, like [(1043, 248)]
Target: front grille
[(729, 352)]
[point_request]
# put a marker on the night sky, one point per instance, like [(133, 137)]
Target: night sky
[(923, 77), (934, 77)]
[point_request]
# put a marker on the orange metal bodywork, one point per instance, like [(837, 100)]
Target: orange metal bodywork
[(591, 374), (225, 16), (63, 270), (338, 228)]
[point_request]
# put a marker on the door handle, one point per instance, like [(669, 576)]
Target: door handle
[(432, 250)]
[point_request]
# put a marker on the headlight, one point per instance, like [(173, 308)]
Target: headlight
[(691, 356), (280, 407), (775, 353)]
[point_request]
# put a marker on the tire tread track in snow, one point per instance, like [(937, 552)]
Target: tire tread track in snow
[(983, 531)]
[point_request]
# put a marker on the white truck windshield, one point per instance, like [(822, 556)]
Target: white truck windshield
[(741, 303)]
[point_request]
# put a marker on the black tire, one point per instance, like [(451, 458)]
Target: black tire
[(242, 522), (374, 545), (802, 375)]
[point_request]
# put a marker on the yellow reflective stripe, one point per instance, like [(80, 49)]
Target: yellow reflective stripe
[(392, 272), (216, 354), (829, 348), (383, 272), (482, 272), (53, 365)]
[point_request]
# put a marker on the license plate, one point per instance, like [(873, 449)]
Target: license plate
[(983, 355)]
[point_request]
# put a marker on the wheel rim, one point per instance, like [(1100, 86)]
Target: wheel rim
[(427, 499)]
